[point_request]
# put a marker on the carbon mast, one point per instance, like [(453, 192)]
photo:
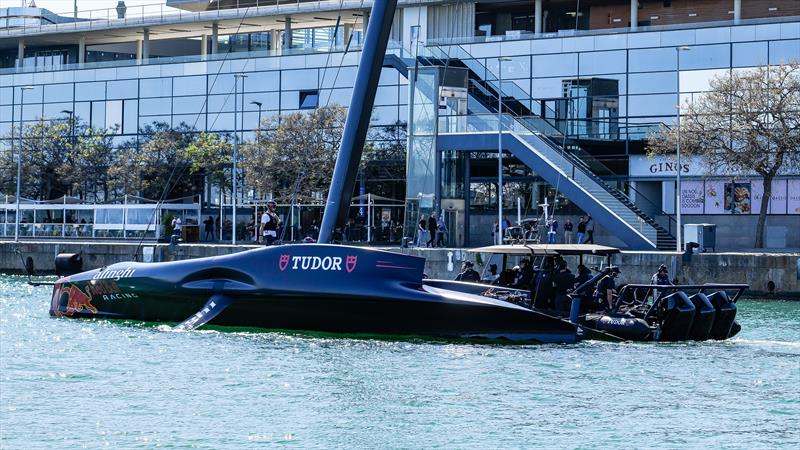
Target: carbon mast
[(358, 116)]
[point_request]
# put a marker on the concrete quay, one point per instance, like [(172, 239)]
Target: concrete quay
[(755, 269)]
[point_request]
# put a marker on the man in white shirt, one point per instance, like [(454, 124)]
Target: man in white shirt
[(270, 221), (176, 226)]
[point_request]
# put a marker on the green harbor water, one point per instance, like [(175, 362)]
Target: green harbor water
[(96, 384)]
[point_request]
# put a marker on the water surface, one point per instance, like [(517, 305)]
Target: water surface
[(86, 384)]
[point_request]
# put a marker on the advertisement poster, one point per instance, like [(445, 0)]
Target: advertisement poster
[(793, 202), (778, 200), (715, 193), (738, 198), (692, 197)]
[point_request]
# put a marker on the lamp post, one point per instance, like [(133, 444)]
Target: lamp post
[(22, 90), (679, 233), (500, 148), (71, 115), (259, 112), (235, 147)]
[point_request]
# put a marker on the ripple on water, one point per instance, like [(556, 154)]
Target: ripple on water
[(71, 384)]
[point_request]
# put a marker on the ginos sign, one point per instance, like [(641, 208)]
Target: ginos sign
[(326, 263)]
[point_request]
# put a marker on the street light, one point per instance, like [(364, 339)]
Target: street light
[(259, 112), (679, 233), (22, 90), (500, 148), (71, 115), (235, 146)]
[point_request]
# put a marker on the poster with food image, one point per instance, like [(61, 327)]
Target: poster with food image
[(738, 198), (714, 197), (793, 198)]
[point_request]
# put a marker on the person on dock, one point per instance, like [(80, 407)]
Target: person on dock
[(568, 232), (552, 231), (432, 227), (209, 229), (422, 231), (468, 273), (589, 230), (581, 230), (270, 221), (441, 231)]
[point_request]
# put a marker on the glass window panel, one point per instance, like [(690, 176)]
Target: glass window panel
[(259, 41), (98, 119), (309, 99), (90, 91), (188, 105), (218, 122), (54, 110), (518, 67), (32, 112), (6, 95), (592, 63), (784, 51), (555, 65), (749, 54), (145, 121), (58, 93), (130, 116), (122, 89), (706, 57), (652, 83), (220, 103), (194, 121), (651, 60), (108, 216), (262, 81), (698, 80), (155, 87), (140, 216), (651, 105), (195, 85), (114, 114), (82, 111), (153, 106), (33, 95), (223, 84), (299, 79)]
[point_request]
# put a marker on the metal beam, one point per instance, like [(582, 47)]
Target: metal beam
[(358, 116)]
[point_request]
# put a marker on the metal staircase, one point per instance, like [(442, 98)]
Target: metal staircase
[(541, 146)]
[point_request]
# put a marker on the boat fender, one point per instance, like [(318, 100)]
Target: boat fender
[(68, 264), (625, 326)]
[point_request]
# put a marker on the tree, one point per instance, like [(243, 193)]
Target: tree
[(293, 156), (91, 155), (154, 166), (749, 121), (46, 145)]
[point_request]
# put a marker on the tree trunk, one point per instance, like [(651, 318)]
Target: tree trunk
[(762, 213)]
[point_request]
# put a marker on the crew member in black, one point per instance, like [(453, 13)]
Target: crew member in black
[(606, 288), (563, 283), (468, 273), (270, 221), (661, 278), (432, 227), (543, 291), (525, 275)]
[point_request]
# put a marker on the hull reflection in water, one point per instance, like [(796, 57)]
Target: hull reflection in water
[(314, 287)]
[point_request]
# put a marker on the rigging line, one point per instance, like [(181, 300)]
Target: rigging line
[(321, 84), (341, 61), (577, 82), (167, 187)]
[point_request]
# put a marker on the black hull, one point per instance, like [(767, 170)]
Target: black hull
[(383, 299)]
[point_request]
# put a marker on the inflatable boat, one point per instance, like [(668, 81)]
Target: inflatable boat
[(639, 312)]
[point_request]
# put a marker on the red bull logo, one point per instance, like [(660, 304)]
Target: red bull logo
[(76, 301)]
